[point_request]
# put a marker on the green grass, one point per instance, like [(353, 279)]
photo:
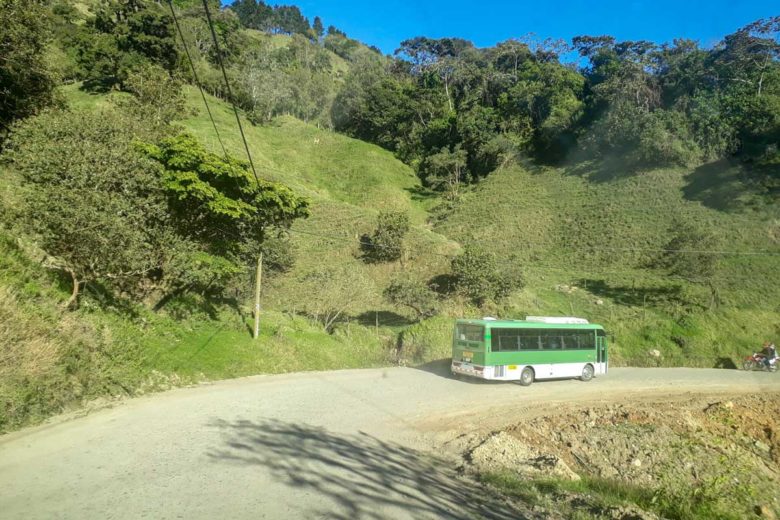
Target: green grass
[(562, 226), (101, 350), (225, 349), (600, 494), (51, 361), (566, 229)]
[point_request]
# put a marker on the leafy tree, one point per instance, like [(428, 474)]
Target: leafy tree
[(216, 202), (96, 204), (334, 292), (284, 19), (126, 34), (157, 97), (26, 82), (374, 106), (414, 294), (446, 171), (265, 87), (289, 20), (338, 43), (319, 29), (66, 11), (478, 277), (386, 243)]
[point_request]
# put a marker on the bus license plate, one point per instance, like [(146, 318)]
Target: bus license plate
[(467, 356)]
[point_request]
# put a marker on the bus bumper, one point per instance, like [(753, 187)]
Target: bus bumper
[(467, 369)]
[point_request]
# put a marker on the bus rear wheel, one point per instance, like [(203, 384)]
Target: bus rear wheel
[(587, 373), (527, 376)]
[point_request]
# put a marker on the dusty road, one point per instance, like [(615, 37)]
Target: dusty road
[(345, 444)]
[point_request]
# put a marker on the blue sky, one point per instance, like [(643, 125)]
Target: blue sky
[(385, 23)]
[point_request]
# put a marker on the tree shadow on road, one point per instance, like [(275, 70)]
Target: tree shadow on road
[(365, 477)]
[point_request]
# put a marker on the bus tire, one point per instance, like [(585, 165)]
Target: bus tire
[(526, 376), (587, 373)]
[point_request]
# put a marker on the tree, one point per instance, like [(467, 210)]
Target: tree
[(26, 83), (319, 29), (414, 294), (478, 277), (446, 171), (148, 220), (374, 106), (97, 205), (124, 35), (289, 20), (387, 241), (333, 292), (157, 97), (216, 202), (751, 54), (338, 43), (264, 87)]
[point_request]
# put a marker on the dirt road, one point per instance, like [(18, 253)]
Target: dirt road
[(344, 444)]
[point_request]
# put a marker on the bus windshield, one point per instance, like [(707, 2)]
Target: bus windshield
[(465, 332)]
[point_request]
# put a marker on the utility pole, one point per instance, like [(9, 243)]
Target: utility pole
[(258, 281)]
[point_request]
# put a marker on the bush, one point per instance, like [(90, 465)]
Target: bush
[(157, 97), (414, 294), (279, 255), (26, 82), (478, 278), (386, 243), (96, 204)]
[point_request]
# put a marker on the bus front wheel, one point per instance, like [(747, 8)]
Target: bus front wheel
[(587, 373), (527, 376)]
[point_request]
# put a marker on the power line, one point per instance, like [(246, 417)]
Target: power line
[(371, 244), (573, 271), (594, 249), (227, 86), (195, 76)]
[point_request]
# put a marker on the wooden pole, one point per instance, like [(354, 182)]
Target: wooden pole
[(258, 281)]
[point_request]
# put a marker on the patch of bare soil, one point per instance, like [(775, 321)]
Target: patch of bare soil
[(723, 452)]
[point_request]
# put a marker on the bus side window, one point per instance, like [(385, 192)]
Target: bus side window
[(550, 340)]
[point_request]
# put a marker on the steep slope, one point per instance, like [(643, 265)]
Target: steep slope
[(348, 182), (582, 240)]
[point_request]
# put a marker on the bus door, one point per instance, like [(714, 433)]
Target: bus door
[(601, 352)]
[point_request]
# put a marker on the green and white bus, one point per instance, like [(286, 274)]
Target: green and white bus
[(538, 347)]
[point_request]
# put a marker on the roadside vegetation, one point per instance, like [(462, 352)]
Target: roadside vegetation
[(692, 460), (393, 195)]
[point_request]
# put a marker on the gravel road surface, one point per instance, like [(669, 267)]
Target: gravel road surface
[(344, 444)]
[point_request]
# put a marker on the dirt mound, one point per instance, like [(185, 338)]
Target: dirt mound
[(724, 452), (503, 451)]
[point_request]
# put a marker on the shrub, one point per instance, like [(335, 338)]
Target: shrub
[(478, 278), (414, 294), (95, 203), (387, 241)]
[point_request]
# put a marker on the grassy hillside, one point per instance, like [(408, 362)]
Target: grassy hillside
[(583, 239), (60, 358)]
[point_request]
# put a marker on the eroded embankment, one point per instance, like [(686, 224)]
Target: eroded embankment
[(720, 456)]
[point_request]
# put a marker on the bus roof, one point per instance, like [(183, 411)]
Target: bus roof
[(523, 324)]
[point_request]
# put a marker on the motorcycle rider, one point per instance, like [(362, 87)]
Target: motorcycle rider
[(770, 353)]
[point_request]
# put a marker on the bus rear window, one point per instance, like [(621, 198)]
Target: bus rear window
[(470, 333)]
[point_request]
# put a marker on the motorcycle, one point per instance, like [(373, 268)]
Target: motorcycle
[(756, 362)]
